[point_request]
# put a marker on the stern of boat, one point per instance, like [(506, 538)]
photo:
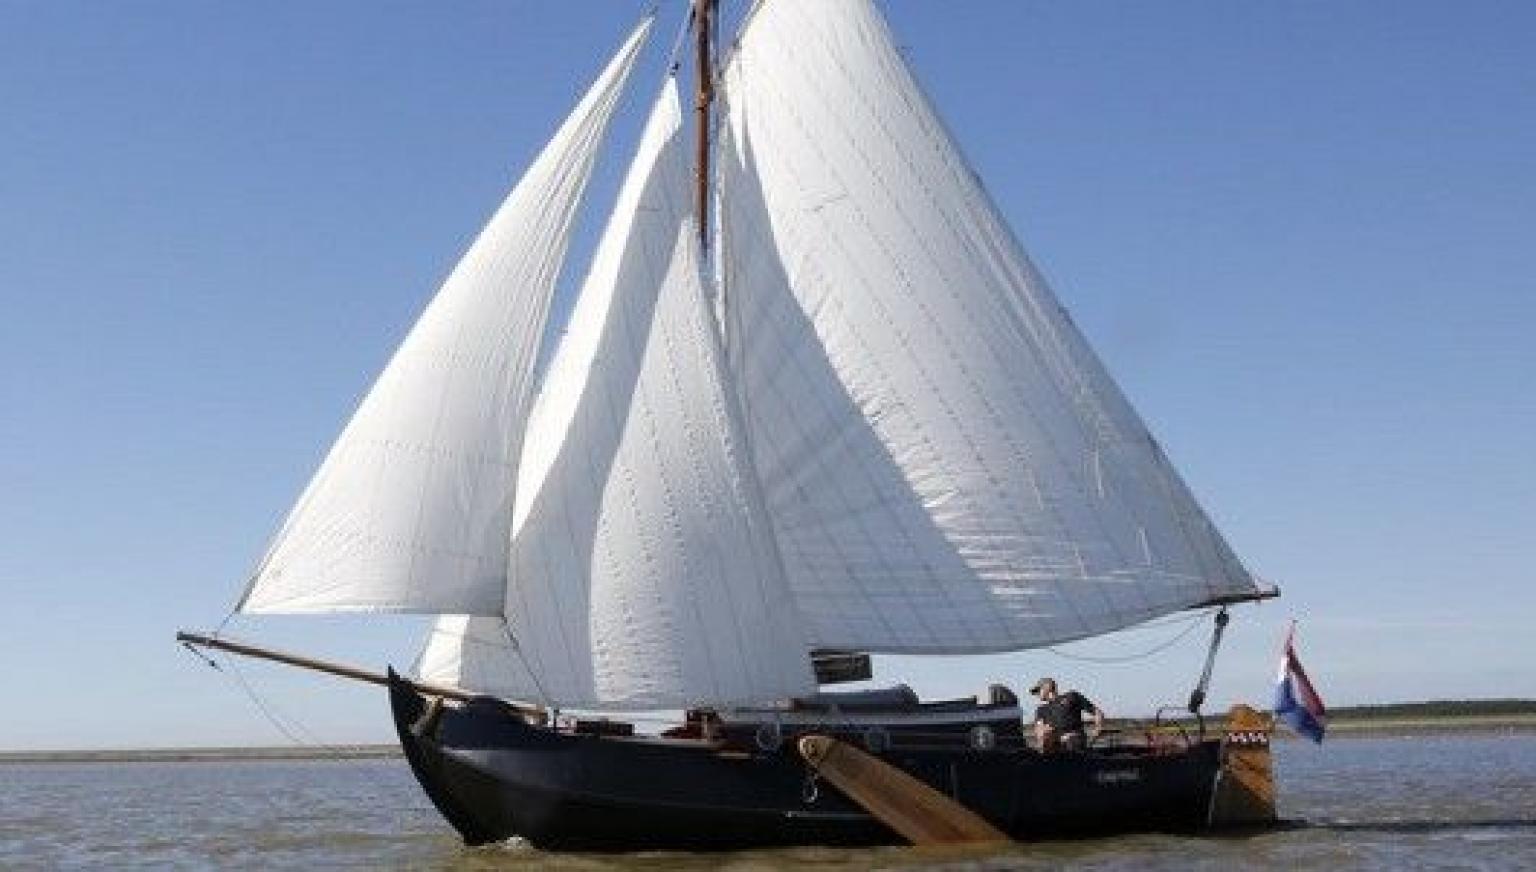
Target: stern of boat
[(1244, 792)]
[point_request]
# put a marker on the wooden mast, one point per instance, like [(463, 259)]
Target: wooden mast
[(704, 96)]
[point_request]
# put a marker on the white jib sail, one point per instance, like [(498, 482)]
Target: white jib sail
[(947, 466), (476, 654), (411, 511), (644, 575)]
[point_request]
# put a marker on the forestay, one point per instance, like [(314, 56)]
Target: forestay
[(946, 465), (644, 574), (411, 510)]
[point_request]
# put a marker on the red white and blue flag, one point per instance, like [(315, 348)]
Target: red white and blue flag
[(1296, 700)]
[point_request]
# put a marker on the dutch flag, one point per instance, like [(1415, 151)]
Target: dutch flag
[(1296, 700)]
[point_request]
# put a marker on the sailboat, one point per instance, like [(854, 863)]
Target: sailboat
[(814, 402)]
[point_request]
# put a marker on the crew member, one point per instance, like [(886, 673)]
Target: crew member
[(1059, 719)]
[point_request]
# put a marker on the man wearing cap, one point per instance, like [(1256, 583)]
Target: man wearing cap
[(1059, 719)]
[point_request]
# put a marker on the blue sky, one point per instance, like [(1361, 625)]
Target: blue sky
[(1300, 234)]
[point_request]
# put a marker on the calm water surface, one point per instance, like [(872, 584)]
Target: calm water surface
[(1453, 803)]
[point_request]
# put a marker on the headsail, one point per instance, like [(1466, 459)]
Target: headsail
[(412, 508), (644, 574), (947, 466), (475, 653)]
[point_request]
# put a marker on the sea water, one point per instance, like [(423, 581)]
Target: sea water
[(1463, 802)]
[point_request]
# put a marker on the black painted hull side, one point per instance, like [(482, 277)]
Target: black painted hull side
[(493, 777)]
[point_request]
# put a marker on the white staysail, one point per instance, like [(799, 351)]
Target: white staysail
[(947, 466), (643, 574), (476, 654), (411, 510)]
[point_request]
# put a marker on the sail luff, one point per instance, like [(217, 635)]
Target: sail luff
[(411, 509), (950, 469)]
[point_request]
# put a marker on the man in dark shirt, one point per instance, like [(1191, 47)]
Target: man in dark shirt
[(1059, 719)]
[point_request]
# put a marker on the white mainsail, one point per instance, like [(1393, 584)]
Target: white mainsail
[(947, 466), (644, 574), (411, 510)]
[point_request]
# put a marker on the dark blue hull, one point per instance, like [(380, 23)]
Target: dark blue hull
[(494, 776)]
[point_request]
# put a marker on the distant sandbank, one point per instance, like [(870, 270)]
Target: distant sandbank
[(1524, 724)]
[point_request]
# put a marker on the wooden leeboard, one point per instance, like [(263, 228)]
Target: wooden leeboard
[(914, 810), (1245, 788)]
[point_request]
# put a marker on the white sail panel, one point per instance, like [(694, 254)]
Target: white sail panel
[(476, 654), (411, 509), (947, 466), (643, 572)]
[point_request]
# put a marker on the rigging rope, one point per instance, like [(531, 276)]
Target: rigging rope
[(1190, 624), (674, 57), (270, 800), (288, 726), (517, 649), (292, 728)]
